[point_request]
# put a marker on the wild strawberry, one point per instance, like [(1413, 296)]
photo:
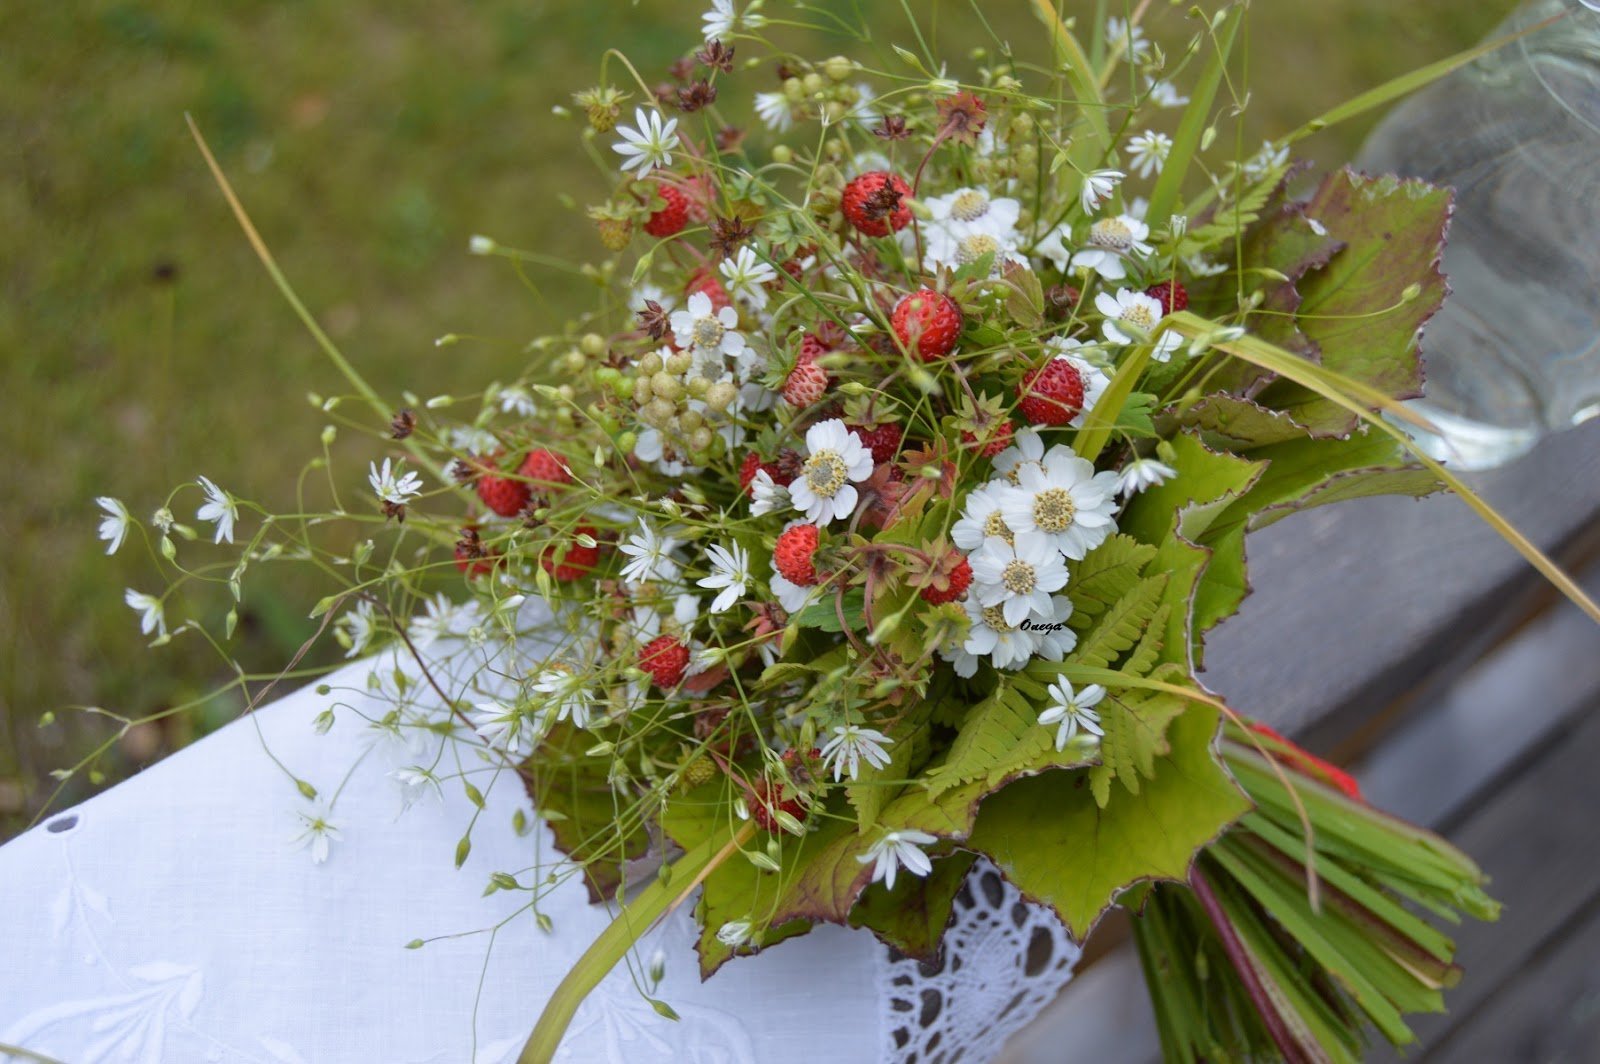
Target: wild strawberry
[(955, 582), (927, 323), (1051, 394), (672, 217), (812, 347), (806, 384), (795, 553), (544, 467), (766, 801), (748, 470), (876, 203), (703, 280), (996, 439), (665, 658), (578, 561), (883, 440), (504, 495), (1173, 296)]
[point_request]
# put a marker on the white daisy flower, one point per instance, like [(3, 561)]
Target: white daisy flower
[(1130, 317), (1095, 379), (1270, 157), (1018, 576), (747, 273), (897, 849), (504, 728), (1098, 185), (152, 613), (219, 507), (790, 595), (734, 933), (1072, 710), (1132, 39), (1006, 645), (469, 439), (650, 292), (850, 745), (774, 111), (114, 526), (1163, 94), (730, 571), (823, 491), (649, 144), (706, 330), (565, 697), (441, 618), (766, 495), (391, 488), (1147, 152), (359, 626), (319, 832), (1200, 266), (651, 447), (723, 20), (1142, 473), (1027, 448), (650, 556), (515, 399), (1110, 243), (981, 519), (1065, 503), (1054, 639), (968, 224), (1056, 245), (416, 784)]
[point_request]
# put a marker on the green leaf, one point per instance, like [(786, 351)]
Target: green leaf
[(1051, 839), (1135, 724), (1123, 625), (1229, 423), (825, 615), (913, 916), (1105, 575)]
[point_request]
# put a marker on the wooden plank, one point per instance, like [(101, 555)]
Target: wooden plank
[(1550, 1011)]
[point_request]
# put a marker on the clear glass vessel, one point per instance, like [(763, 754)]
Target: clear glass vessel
[(1515, 353)]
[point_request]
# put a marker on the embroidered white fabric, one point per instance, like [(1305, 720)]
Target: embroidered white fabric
[(177, 918)]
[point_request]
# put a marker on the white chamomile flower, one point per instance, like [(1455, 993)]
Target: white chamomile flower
[(389, 487), (649, 144), (1064, 502), (1027, 448), (649, 556), (852, 744), (1119, 32), (774, 111), (899, 849), (318, 832), (1095, 379), (747, 275), (823, 491), (219, 507), (114, 526), (565, 696), (1072, 711), (968, 224), (152, 613), (1053, 639), (1018, 576), (1163, 93), (1111, 242), (1131, 317), (730, 571), (1271, 157), (1147, 152), (1006, 645), (504, 728), (723, 19), (981, 519), (707, 330), (1098, 185), (359, 626), (1142, 473), (766, 495)]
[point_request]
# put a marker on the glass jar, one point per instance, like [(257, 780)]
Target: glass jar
[(1515, 353)]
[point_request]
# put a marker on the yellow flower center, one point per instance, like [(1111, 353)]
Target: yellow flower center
[(1053, 509), (1138, 315), (708, 332), (974, 247), (825, 473), (995, 525), (994, 617), (1018, 577), (1112, 234), (969, 206)]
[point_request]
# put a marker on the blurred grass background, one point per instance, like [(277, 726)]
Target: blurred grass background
[(143, 345)]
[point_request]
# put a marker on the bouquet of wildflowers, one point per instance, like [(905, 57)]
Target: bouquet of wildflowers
[(881, 501)]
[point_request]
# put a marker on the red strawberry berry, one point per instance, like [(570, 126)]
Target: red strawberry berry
[(1051, 394), (748, 470), (883, 441), (865, 203), (506, 496), (997, 440), (927, 323), (1173, 296), (671, 218), (794, 555), (766, 801), (807, 383), (545, 467), (960, 578), (703, 280), (812, 347), (578, 561), (665, 658)]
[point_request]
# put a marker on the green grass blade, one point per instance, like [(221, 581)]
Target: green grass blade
[(1085, 85), (1186, 140)]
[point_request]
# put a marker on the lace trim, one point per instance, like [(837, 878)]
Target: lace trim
[(1003, 960)]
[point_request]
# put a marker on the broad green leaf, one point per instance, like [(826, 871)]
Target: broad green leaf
[(1106, 574), (913, 916), (1229, 423), (1135, 724), (1123, 625), (1051, 839)]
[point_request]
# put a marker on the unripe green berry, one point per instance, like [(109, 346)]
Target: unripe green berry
[(627, 442), (794, 90), (642, 392), (593, 344), (679, 362), (666, 386), (657, 412), (691, 420), (813, 83), (698, 386), (650, 365), (838, 68), (700, 439), (721, 395), (782, 154)]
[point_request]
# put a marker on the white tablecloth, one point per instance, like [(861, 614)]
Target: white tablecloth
[(174, 919)]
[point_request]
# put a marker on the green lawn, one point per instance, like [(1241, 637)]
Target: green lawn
[(143, 345)]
